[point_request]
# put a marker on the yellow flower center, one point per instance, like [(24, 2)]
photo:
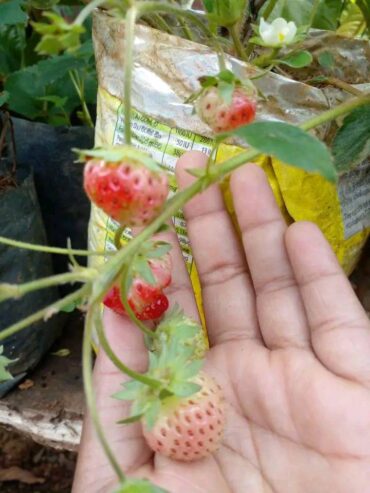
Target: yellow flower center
[(281, 37)]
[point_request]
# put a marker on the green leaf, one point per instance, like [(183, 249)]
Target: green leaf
[(126, 395), (71, 306), (351, 21), (4, 362), (119, 153), (42, 4), (225, 12), (208, 81), (58, 35), (160, 249), (11, 12), (163, 228), (4, 96), (28, 85), (299, 11), (131, 419), (226, 90), (328, 15), (326, 59), (184, 389), (138, 486), (227, 76), (152, 412), (299, 59), (56, 100), (142, 267), (192, 369), (291, 145), (351, 144)]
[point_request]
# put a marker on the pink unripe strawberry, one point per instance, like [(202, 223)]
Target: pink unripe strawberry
[(190, 428), (224, 116)]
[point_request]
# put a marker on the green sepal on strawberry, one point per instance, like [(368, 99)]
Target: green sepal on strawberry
[(149, 274), (126, 183), (224, 102), (187, 333), (184, 417)]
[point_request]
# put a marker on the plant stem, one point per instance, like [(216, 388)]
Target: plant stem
[(313, 13), (86, 11), (45, 312), (237, 43), (79, 90), (161, 24), (334, 113), (266, 59), (47, 249), (268, 10), (345, 86), (114, 265), (118, 236), (18, 290), (129, 54), (117, 362), (129, 311), (90, 394)]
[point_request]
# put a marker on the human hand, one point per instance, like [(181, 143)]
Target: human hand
[(290, 346)]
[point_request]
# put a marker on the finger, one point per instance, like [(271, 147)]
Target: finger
[(93, 469), (227, 293), (340, 328), (180, 290), (279, 305)]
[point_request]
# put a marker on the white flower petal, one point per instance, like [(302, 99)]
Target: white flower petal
[(279, 23), (277, 33), (291, 32)]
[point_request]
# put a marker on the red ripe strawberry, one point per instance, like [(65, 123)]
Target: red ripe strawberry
[(222, 116), (126, 183), (146, 300), (191, 428)]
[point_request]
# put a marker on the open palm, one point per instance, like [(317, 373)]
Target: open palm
[(290, 345)]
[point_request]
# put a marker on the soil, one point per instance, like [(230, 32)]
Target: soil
[(27, 467)]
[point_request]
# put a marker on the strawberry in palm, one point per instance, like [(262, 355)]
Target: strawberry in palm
[(183, 417), (189, 428), (127, 184), (148, 278)]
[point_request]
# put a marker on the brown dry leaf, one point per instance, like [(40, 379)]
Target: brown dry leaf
[(27, 384), (18, 474)]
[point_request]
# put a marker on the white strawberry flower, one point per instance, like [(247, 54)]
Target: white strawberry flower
[(277, 33)]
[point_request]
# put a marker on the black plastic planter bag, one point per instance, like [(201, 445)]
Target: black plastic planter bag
[(20, 219), (58, 180)]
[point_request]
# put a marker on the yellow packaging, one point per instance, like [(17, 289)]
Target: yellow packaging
[(166, 72)]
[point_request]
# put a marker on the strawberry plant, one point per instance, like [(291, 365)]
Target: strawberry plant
[(40, 86), (181, 409)]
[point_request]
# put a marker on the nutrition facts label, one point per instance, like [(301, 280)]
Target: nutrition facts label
[(354, 196), (166, 145)]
